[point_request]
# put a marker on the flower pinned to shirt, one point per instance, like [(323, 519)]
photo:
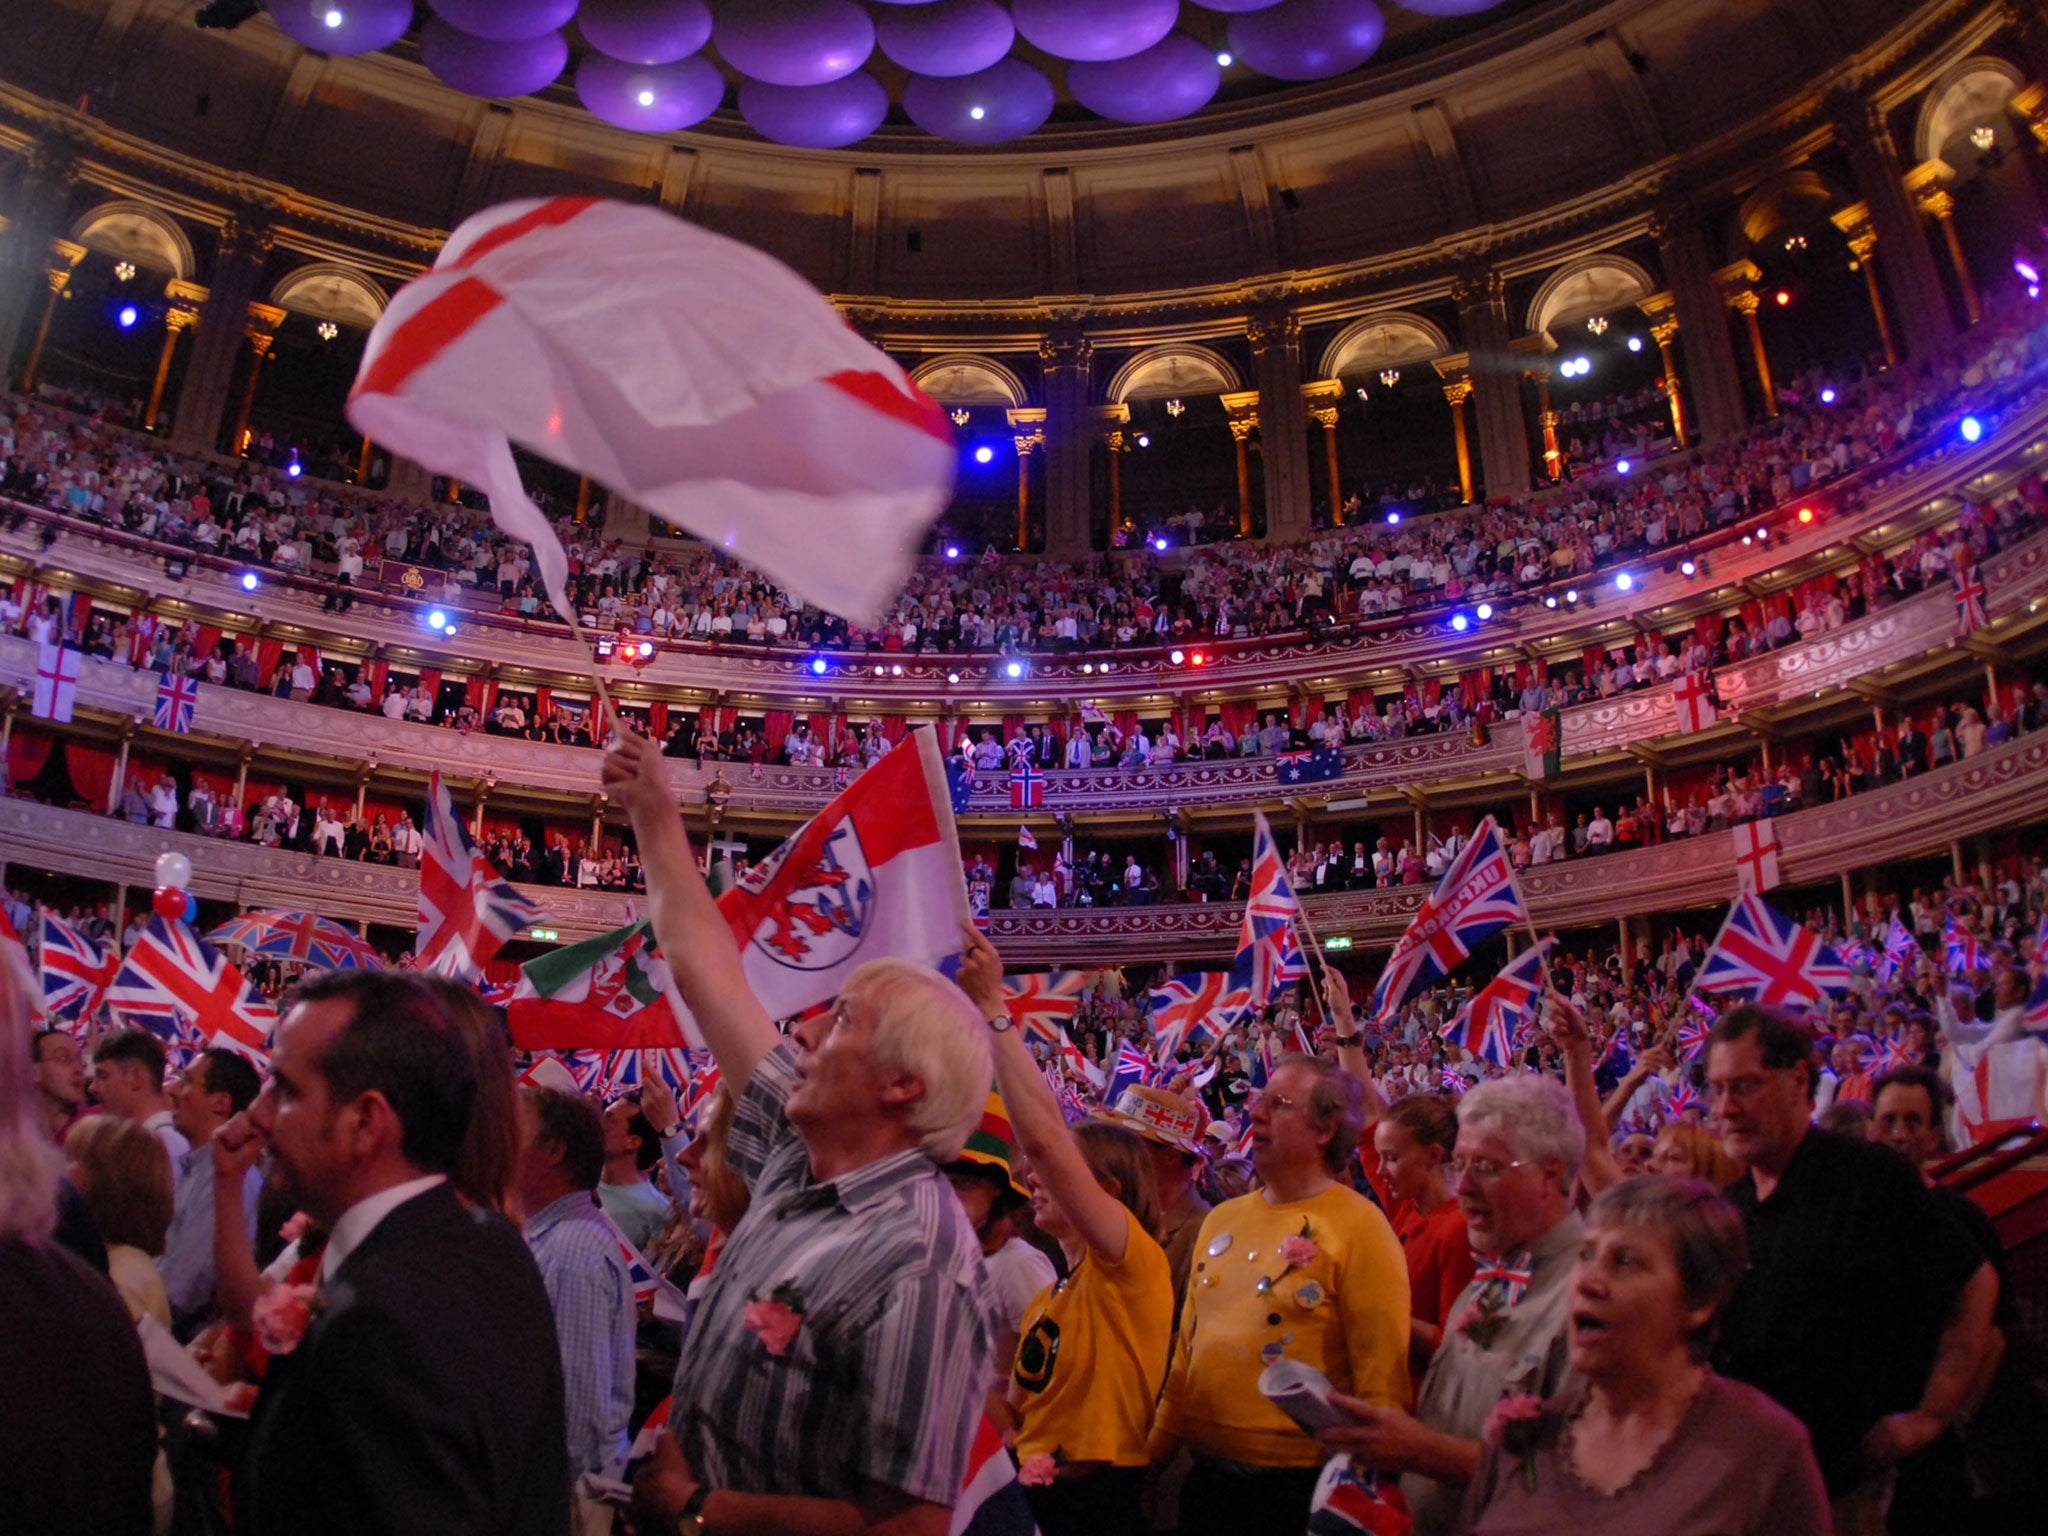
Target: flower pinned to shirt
[(1516, 1422), (1299, 1251), (295, 1226), (1039, 1469), (776, 1320), (281, 1316)]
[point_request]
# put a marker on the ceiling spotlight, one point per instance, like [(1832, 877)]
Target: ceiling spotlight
[(818, 666), (1635, 343), (1625, 582), (1688, 569), (1087, 667), (1014, 669), (1224, 59), (437, 619), (1621, 466), (1197, 659), (1362, 394), (1159, 544), (1827, 396), (952, 551), (1972, 429), (1783, 297), (1571, 594), (250, 581), (1393, 517), (333, 18), (984, 454), (126, 316), (646, 646), (1460, 623), (294, 469), (645, 98), (977, 113), (952, 677), (1806, 514), (1485, 612), (896, 670), (1176, 656), (881, 671), (448, 628), (1144, 440), (1550, 601)]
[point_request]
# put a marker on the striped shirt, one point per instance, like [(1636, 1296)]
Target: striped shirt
[(580, 1263), (883, 1380)]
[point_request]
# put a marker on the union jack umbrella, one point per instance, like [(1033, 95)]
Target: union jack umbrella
[(1771, 959), (466, 911), (176, 699), (1475, 899), (1042, 1001), (1488, 1023), (174, 983), (1268, 958), (76, 971), (1968, 583), (1199, 1002), (305, 937)]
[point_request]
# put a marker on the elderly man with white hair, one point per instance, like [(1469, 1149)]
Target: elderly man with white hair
[(1519, 1148), (833, 1376)]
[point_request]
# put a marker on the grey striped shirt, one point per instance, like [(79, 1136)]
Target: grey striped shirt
[(882, 1382)]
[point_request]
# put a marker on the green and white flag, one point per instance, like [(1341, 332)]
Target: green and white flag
[(608, 993)]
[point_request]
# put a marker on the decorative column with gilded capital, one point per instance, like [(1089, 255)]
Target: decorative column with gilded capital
[(1027, 431), (1275, 336), (1065, 361), (1538, 373), (1481, 299), (45, 175), (1854, 223), (1453, 368), (218, 343), (1109, 423), (1736, 279), (1909, 268), (1658, 310), (1925, 184), (261, 331), (181, 313), (1320, 399), (1241, 410), (64, 256)]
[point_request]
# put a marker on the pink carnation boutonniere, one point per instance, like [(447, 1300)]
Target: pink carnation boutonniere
[(1515, 1422), (1296, 1252), (295, 1227), (776, 1320), (1038, 1471), (282, 1315)]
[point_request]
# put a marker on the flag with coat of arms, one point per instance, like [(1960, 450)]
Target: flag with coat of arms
[(177, 698), (609, 993), (1475, 899)]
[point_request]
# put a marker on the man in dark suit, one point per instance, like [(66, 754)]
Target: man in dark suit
[(425, 1393)]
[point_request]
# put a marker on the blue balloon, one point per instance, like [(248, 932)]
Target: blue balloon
[(191, 908)]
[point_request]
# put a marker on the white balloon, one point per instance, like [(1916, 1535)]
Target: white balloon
[(174, 870)]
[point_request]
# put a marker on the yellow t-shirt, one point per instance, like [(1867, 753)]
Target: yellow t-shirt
[(1345, 1312), (1092, 1353)]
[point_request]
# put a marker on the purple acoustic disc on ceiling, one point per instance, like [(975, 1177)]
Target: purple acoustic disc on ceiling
[(485, 68), (505, 21), (1447, 7), (1175, 77), (1094, 29), (794, 42), (954, 37), (1237, 7), (1005, 101), (829, 116), (1308, 39), (645, 31), (343, 26), (652, 98)]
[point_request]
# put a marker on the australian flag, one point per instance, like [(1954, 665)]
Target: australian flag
[(1309, 767), (1476, 898)]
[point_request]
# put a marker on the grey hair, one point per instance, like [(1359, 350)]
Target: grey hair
[(1705, 1231), (1533, 1114), (29, 1165)]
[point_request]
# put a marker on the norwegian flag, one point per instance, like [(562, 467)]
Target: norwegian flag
[(1133, 1067), (1771, 959), (1964, 950), (1756, 856), (305, 937), (1476, 898), (1027, 788), (1898, 944), (1043, 1001), (1487, 1024), (466, 910), (1268, 958), (1968, 583), (1693, 698), (76, 972), (173, 983), (176, 699), (1199, 1002)]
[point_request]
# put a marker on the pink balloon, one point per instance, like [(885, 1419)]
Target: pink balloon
[(1094, 29), (794, 42), (645, 31)]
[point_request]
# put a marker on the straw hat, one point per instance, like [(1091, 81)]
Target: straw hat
[(1161, 1117)]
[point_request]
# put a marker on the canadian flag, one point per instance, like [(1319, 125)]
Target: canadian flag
[(1692, 695), (1756, 856)]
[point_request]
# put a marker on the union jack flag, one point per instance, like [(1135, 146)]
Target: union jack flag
[(704, 1082), (646, 1283), (1267, 955), (1886, 1055), (176, 699), (2035, 1019), (1199, 1002), (305, 937), (1771, 959), (1476, 898), (1964, 950), (1683, 1097), (1692, 1037), (1027, 787), (1969, 590), (1898, 944), (466, 911), (174, 983), (1348, 1499), (1265, 1058), (1487, 1024), (1042, 1001), (1451, 1080), (1133, 1068), (76, 972)]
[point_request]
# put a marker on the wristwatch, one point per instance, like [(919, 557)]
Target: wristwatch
[(690, 1518), (1347, 1040), (1001, 1021)]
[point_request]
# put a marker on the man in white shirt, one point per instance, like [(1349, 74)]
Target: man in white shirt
[(304, 679), (128, 1080), (1599, 833), (406, 842), (163, 804)]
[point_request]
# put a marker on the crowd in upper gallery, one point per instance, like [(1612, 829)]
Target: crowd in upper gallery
[(1827, 431)]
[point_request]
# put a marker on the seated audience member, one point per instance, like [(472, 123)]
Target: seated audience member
[(561, 1155), (1650, 1439), (1846, 1245), (1519, 1148), (1310, 1251), (126, 1180), (425, 1390), (853, 1239), (1093, 1350), (77, 1418)]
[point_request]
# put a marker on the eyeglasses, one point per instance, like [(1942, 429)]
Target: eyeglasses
[(1274, 1103), (1744, 1088), (1484, 1170)]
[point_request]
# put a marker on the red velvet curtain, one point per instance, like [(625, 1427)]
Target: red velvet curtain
[(204, 639), (430, 679), (1012, 724), (543, 701), (893, 728), (222, 784), (268, 654), (780, 722), (27, 751), (91, 769), (657, 720), (379, 680)]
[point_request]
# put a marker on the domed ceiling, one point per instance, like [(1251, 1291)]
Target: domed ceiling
[(824, 74)]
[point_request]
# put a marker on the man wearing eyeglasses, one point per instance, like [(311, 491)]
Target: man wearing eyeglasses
[(1519, 1149), (1866, 1307)]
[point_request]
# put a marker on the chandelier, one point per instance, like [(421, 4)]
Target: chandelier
[(328, 330), (1174, 407), (1597, 324), (1983, 136), (1795, 243), (959, 415), (1390, 377), (123, 270)]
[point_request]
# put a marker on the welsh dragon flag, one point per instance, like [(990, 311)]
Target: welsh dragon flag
[(608, 993)]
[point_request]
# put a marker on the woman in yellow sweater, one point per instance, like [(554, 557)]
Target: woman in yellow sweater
[(1092, 1351), (1303, 1269)]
